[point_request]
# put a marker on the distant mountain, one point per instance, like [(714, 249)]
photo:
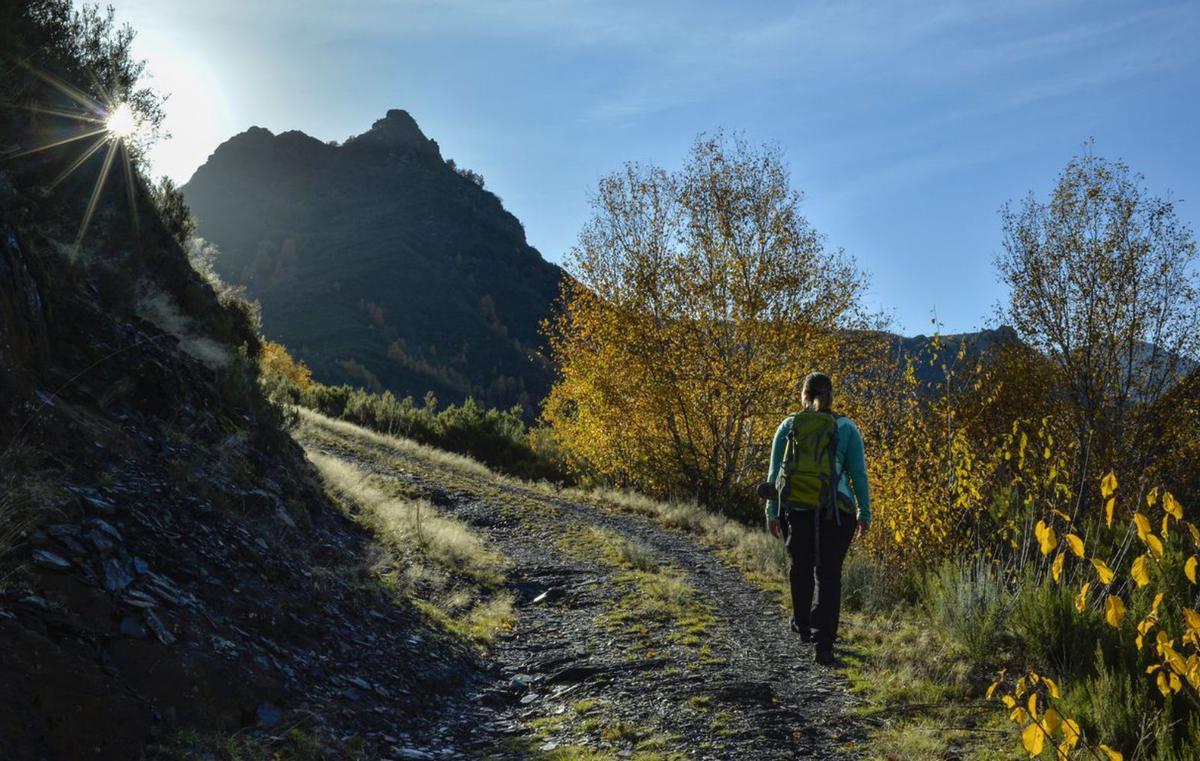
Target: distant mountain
[(932, 356), (379, 263)]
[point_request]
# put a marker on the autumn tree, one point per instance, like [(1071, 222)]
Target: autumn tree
[(700, 298), (1101, 281)]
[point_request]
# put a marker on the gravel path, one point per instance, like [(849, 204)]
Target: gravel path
[(574, 675)]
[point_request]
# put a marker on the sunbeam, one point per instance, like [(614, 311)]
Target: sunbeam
[(57, 143), (74, 93), (91, 207), (90, 118), (64, 174)]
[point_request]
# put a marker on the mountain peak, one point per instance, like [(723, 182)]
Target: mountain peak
[(397, 129)]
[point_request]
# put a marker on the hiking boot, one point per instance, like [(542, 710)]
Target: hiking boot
[(805, 632), (824, 656)]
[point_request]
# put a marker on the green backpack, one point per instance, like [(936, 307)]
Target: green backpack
[(808, 477)]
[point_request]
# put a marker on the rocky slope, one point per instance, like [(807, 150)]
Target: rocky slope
[(377, 263)]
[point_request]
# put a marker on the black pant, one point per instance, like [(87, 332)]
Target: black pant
[(826, 560)]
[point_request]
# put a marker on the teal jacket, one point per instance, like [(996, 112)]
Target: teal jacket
[(849, 460)]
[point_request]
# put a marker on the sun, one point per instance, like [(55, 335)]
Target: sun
[(113, 126), (121, 123)]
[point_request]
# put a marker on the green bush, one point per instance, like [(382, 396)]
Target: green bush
[(871, 587), (1052, 633), (970, 603), (1118, 705), (497, 438)]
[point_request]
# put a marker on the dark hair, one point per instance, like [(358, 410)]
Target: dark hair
[(818, 391)]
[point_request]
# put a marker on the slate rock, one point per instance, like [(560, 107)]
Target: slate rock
[(550, 595), (48, 559), (156, 625), (113, 577)]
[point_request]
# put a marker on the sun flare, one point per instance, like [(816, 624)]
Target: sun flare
[(121, 123)]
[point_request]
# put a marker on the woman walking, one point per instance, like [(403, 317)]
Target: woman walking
[(822, 502)]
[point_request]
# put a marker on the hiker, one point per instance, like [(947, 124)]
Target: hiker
[(812, 449)]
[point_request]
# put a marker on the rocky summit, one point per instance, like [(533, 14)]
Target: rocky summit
[(379, 263)]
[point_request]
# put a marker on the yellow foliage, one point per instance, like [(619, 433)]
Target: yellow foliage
[(1172, 506), (1102, 569), (1114, 611), (681, 348), (1046, 537), (1108, 485), (1139, 572), (1033, 738), (275, 361)]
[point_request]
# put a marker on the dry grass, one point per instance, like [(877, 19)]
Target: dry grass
[(399, 446), (750, 549), (403, 523), (435, 551)]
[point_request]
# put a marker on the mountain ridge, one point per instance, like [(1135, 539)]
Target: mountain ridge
[(379, 263)]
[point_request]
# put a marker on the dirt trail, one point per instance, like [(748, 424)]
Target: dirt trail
[(584, 669)]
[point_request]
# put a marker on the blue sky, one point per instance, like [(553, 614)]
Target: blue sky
[(906, 124)]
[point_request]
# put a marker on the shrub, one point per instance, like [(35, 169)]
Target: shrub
[(871, 586), (498, 438), (1052, 633), (970, 602)]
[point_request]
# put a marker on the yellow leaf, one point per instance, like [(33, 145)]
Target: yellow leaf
[(1070, 732), (1081, 598), (1113, 755), (1018, 715), (1032, 705), (1052, 686), (1051, 721), (1114, 611), (1142, 523), (1172, 506), (1163, 681), (1152, 497), (1075, 543), (1139, 572), (1195, 533), (1155, 544), (1046, 537), (1166, 521), (1108, 510), (991, 690), (1032, 738), (1193, 619), (1106, 574), (1008, 701), (1158, 598), (1056, 566), (1108, 485), (1189, 568), (1143, 628)]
